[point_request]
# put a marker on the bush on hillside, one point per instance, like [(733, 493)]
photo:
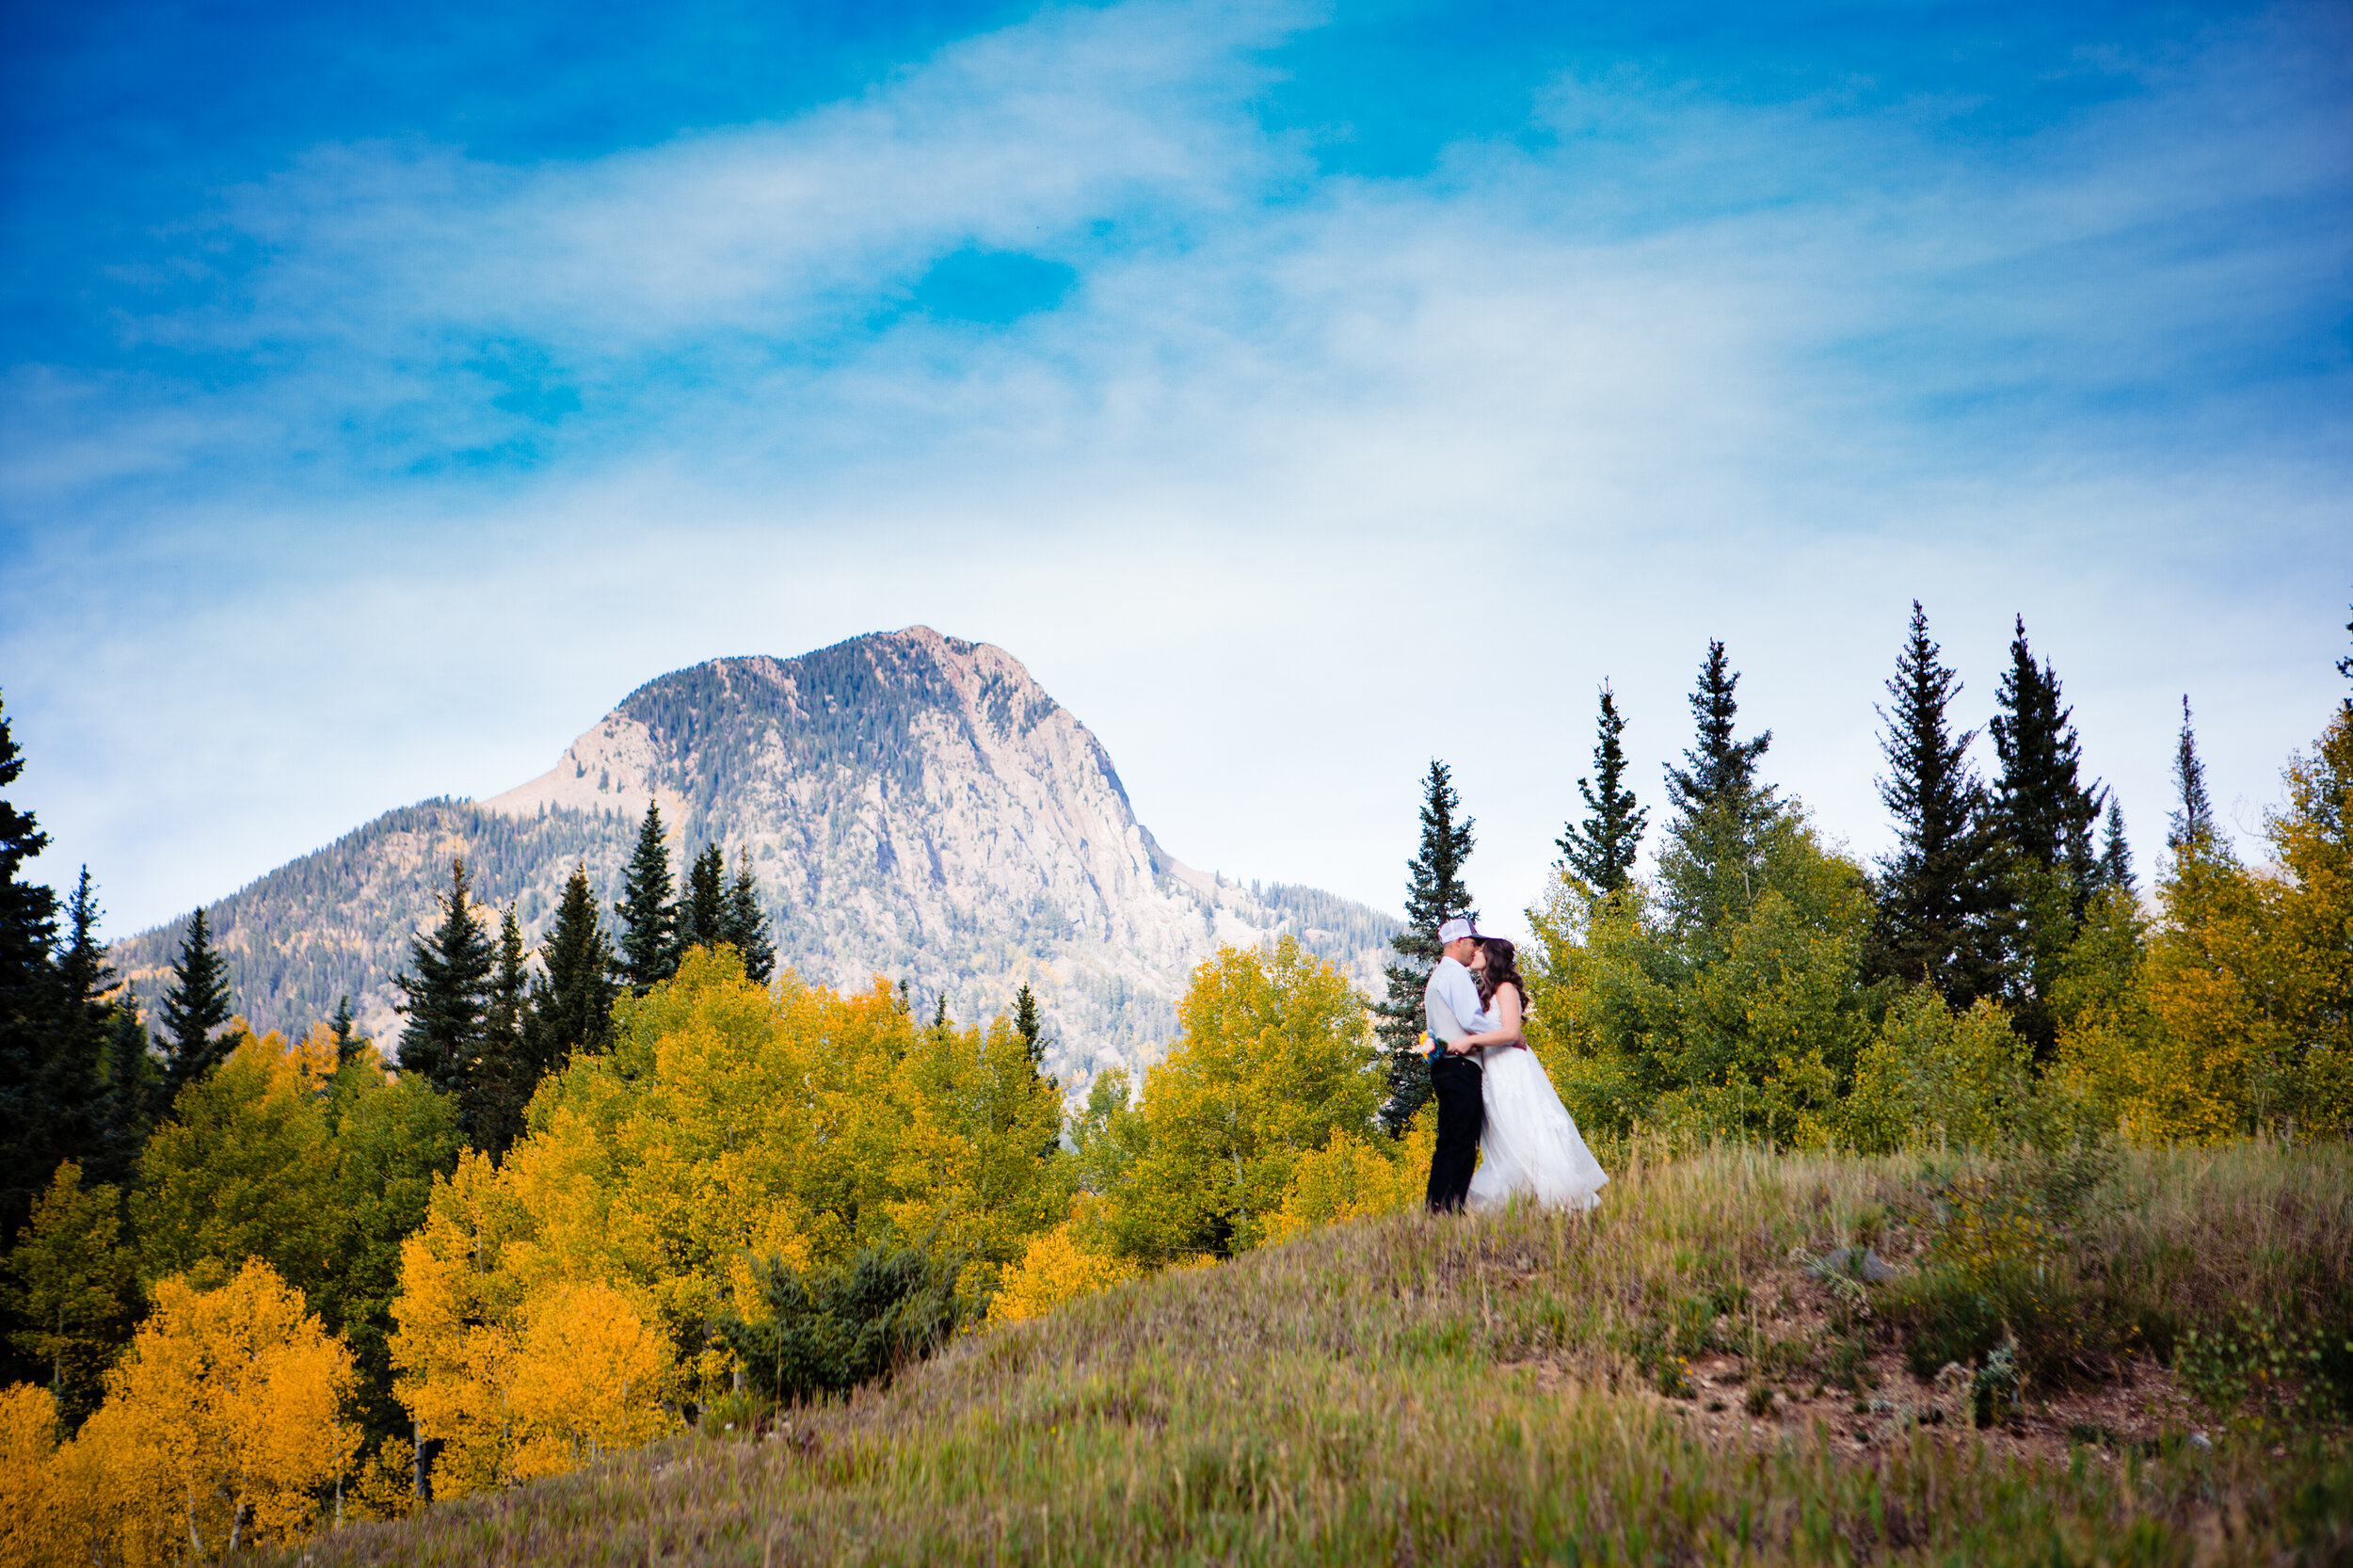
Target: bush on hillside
[(827, 1330)]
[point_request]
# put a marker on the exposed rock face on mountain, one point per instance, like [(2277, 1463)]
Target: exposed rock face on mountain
[(914, 806)]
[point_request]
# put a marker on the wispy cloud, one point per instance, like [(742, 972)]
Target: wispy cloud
[(1663, 364)]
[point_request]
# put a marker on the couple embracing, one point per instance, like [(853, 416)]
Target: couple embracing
[(1499, 1114)]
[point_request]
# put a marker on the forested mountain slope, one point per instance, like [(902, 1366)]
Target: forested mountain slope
[(914, 806)]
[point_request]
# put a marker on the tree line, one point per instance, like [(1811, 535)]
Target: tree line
[(1760, 983), (578, 1214)]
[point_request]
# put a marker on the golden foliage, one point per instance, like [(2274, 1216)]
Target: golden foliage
[(1055, 1268), (729, 1120), (221, 1427), (1353, 1176), (1274, 1051)]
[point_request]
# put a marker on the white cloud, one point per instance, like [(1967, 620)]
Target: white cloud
[(1309, 480)]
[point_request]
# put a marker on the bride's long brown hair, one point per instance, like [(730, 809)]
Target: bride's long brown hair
[(1500, 971)]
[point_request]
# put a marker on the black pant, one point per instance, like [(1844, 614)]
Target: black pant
[(1459, 1086)]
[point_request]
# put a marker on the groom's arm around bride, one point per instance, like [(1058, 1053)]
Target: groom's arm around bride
[(1450, 1011)]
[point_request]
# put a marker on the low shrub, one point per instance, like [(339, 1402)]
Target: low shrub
[(831, 1328)]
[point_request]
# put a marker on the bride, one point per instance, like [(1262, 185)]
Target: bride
[(1531, 1149)]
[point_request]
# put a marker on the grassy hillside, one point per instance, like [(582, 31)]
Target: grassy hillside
[(1680, 1377)]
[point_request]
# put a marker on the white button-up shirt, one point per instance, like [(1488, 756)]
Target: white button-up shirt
[(1449, 1003)]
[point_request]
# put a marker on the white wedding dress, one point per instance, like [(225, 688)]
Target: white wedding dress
[(1530, 1150)]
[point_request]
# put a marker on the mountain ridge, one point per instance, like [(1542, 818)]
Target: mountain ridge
[(914, 806)]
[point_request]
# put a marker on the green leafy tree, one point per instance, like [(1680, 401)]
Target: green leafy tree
[(2044, 815), (1434, 893), (1934, 904), (648, 943), (1600, 851), (68, 1282), (194, 1008), (387, 1142), (745, 924), (572, 1005), (241, 1169), (448, 995), (1271, 1059)]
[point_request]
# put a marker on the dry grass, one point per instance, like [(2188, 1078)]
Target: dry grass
[(1412, 1391)]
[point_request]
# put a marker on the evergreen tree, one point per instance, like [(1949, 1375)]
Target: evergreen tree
[(1709, 866), (2192, 818), (1934, 906), (448, 996), (2116, 852), (572, 1005), (1722, 776), (1434, 893), (2044, 815), (745, 924), (507, 1068), (68, 1082), (649, 941), (347, 1045), (133, 1095), (28, 993), (940, 1017), (1601, 849), (702, 916), (195, 1005), (1030, 1025)]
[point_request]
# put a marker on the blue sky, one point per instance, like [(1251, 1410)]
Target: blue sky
[(1302, 392)]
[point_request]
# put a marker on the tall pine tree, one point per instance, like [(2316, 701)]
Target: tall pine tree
[(648, 943), (745, 924), (702, 913), (195, 1006), (2044, 815), (507, 1068), (71, 1079), (448, 996), (1600, 851), (1933, 920), (133, 1097), (347, 1041), (1709, 867), (1030, 1025), (2116, 852), (1434, 893), (28, 992), (572, 1005), (2192, 818)]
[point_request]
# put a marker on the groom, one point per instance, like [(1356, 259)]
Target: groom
[(1450, 1008)]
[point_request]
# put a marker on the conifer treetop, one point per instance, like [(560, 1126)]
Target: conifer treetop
[(1722, 772)]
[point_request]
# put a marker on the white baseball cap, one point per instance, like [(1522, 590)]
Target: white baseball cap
[(1454, 930)]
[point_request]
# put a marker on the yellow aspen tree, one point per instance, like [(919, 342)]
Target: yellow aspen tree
[(978, 1164), (2311, 843), (1274, 1051), (32, 1526), (589, 1375), (238, 1394), (1353, 1176), (1056, 1267), (453, 1340)]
